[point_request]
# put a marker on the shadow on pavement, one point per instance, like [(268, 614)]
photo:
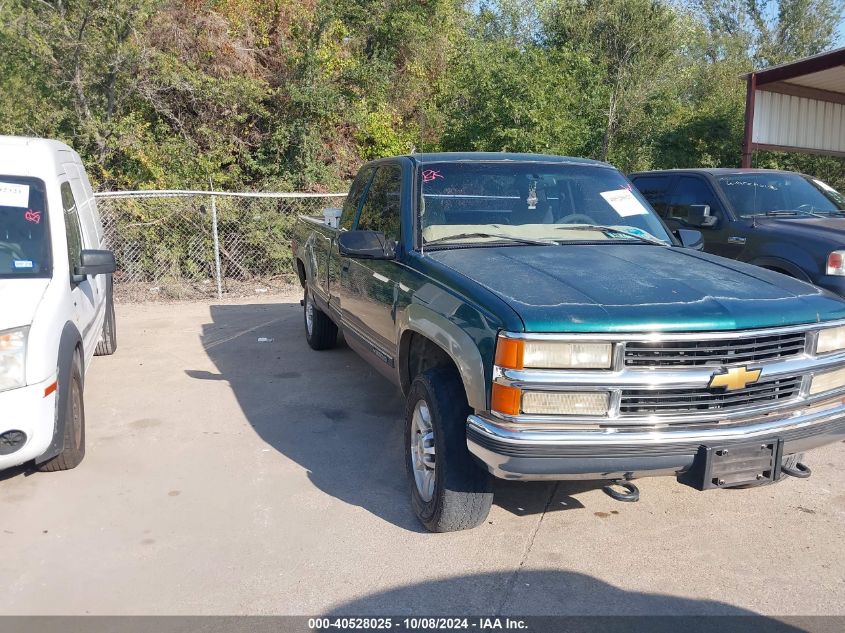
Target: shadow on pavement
[(557, 593), (333, 414)]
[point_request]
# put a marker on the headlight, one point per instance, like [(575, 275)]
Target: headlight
[(519, 354), (827, 381), (830, 340), (836, 263), (13, 358)]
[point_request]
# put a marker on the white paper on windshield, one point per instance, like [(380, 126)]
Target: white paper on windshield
[(14, 195), (624, 202), (824, 185)]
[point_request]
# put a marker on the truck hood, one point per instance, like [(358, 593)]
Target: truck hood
[(19, 299), (637, 287), (829, 229)]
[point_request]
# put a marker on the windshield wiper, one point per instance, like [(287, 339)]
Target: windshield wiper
[(498, 236), (610, 231), (782, 212)]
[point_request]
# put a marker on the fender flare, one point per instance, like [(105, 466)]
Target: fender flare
[(68, 344), (457, 344), (782, 264)]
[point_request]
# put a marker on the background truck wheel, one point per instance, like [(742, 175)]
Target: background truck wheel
[(74, 440), (320, 330), (449, 491), (108, 344)]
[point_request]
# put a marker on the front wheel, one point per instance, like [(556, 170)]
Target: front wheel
[(74, 437), (320, 330), (449, 491)]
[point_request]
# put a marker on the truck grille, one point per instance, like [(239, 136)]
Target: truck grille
[(714, 351), (667, 402)]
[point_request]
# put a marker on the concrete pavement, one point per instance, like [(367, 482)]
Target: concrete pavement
[(226, 474)]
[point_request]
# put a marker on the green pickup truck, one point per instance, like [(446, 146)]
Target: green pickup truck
[(543, 323)]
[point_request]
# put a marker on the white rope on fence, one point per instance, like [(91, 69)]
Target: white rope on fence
[(175, 193)]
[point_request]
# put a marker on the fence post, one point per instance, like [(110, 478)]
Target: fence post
[(217, 276)]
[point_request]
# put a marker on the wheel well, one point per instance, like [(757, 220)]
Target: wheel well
[(418, 354), (300, 271), (778, 270)]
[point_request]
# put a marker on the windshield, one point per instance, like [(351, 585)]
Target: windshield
[(24, 237), (532, 202), (762, 193)]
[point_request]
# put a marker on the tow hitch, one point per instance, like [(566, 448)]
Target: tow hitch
[(798, 469), (631, 494)]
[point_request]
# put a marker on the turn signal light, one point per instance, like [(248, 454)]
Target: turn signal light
[(510, 353), (505, 399)]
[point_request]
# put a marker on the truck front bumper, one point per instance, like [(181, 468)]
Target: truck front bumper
[(510, 453)]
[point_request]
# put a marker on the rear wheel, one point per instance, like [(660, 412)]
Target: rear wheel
[(108, 340), (320, 330), (74, 438), (449, 491)]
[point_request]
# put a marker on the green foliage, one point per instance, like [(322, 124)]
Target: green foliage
[(292, 94)]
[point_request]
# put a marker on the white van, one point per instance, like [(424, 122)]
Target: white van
[(56, 305)]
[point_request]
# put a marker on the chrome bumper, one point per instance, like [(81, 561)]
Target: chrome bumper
[(510, 453)]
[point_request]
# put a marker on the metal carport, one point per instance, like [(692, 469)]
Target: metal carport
[(797, 107)]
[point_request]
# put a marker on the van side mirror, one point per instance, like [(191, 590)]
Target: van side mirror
[(366, 245), (699, 215), (95, 262), (690, 239)]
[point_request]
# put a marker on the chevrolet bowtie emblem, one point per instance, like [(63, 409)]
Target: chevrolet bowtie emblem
[(734, 378)]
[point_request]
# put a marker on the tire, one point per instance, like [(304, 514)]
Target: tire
[(320, 330), (108, 342), (74, 440), (458, 493)]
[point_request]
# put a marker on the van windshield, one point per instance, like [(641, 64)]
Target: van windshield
[(24, 233)]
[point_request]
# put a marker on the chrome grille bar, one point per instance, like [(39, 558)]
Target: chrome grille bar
[(714, 352), (673, 401)]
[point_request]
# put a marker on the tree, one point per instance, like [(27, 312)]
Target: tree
[(633, 43)]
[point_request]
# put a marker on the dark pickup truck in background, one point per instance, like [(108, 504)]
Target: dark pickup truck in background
[(780, 220), (543, 323)]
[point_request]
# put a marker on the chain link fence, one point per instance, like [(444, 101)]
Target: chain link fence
[(198, 244)]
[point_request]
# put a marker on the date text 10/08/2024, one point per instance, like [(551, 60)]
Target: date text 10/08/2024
[(418, 623)]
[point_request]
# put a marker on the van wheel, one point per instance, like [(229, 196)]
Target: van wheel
[(74, 440), (108, 341), (449, 491), (320, 330)]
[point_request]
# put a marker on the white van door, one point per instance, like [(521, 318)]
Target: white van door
[(84, 294)]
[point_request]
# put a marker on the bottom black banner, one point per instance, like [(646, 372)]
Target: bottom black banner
[(402, 623)]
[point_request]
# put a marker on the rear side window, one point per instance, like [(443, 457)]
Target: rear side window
[(24, 233), (72, 230), (690, 191), (353, 198), (382, 206), (654, 189)]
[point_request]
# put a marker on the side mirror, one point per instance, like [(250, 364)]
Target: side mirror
[(366, 245), (95, 262), (699, 215), (690, 239)]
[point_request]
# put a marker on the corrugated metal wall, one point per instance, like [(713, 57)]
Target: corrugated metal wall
[(798, 122)]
